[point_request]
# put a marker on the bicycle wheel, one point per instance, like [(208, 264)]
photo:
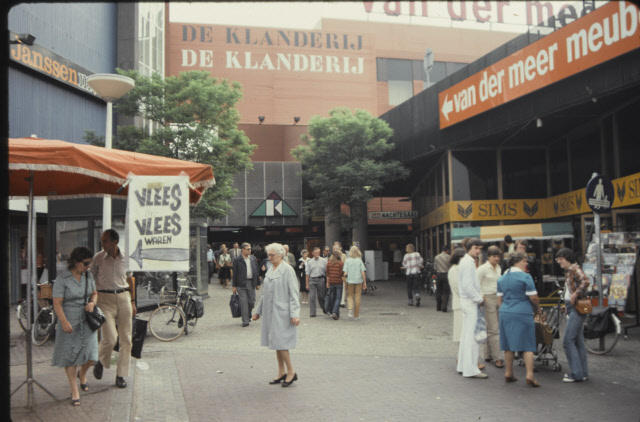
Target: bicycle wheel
[(606, 342), (167, 323), (41, 329), (21, 313)]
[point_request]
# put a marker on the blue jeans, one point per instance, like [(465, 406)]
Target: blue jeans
[(337, 297), (413, 281), (573, 344)]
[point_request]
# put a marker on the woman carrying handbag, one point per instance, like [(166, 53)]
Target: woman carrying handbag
[(573, 341), (76, 343)]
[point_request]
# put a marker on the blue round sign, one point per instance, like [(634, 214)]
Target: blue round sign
[(600, 194)]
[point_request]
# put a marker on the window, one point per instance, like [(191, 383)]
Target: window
[(524, 173), (559, 168), (628, 145), (400, 74), (474, 175)]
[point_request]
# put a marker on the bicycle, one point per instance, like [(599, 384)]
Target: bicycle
[(170, 320), (153, 283), (596, 342), (44, 324), (428, 276)]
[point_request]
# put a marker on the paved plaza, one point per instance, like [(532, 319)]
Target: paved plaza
[(395, 364)]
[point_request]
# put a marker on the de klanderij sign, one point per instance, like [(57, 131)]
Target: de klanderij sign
[(606, 33), (158, 223), (262, 49)]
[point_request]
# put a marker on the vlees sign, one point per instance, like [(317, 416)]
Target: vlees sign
[(49, 63), (273, 50), (392, 215), (158, 224), (607, 32)]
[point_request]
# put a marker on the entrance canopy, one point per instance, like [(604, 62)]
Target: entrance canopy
[(68, 170), (520, 231)]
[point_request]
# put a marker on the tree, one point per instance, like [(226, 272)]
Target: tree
[(194, 119), (343, 162)]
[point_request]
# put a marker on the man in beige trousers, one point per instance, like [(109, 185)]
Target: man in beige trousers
[(115, 299)]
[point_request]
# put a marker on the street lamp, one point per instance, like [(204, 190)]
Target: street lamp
[(109, 87)]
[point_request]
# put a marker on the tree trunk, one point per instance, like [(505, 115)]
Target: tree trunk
[(360, 231), (331, 231)]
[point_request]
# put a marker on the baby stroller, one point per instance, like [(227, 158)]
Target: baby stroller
[(547, 330)]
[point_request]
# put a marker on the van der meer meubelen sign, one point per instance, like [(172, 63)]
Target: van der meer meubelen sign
[(262, 49), (51, 64)]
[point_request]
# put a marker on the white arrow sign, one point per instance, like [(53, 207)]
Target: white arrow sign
[(447, 107)]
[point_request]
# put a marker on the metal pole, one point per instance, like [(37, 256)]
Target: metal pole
[(596, 222), (31, 398), (106, 204), (31, 261)]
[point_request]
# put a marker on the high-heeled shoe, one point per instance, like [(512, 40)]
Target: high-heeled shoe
[(510, 379), (83, 387), (533, 382), (279, 380), (288, 383)]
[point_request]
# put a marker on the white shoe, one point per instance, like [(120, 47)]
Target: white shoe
[(350, 313), (567, 378), (357, 319)]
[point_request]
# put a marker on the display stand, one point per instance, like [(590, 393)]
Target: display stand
[(619, 256)]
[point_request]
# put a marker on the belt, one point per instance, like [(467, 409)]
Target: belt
[(316, 276), (118, 291)]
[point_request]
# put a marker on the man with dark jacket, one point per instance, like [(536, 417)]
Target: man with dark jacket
[(246, 281)]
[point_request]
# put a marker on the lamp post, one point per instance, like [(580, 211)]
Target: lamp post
[(109, 87)]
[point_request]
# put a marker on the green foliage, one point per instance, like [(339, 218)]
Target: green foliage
[(343, 161), (194, 118)]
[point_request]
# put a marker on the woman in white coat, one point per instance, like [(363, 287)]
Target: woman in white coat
[(280, 307), (454, 262)]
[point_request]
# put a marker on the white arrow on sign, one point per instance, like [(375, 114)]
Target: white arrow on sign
[(447, 107), (159, 254)]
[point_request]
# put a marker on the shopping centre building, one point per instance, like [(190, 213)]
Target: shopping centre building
[(481, 155)]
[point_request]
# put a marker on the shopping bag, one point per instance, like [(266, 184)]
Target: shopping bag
[(234, 304), (138, 333), (480, 333), (137, 337)]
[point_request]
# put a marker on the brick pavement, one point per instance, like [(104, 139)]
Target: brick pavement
[(396, 364)]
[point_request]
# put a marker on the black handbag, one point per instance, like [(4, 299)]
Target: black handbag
[(95, 318), (234, 304)]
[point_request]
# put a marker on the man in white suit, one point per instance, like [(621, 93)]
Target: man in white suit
[(470, 300)]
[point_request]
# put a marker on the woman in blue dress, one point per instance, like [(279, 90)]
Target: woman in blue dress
[(76, 344), (516, 295)]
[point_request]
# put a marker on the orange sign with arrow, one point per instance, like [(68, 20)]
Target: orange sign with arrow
[(605, 33)]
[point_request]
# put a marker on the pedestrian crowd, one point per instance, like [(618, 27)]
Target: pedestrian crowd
[(504, 297), (483, 290)]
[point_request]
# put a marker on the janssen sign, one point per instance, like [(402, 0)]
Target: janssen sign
[(606, 33)]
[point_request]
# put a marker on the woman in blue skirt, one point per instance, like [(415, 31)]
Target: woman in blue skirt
[(516, 295)]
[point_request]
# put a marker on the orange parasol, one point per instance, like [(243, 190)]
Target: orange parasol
[(67, 170)]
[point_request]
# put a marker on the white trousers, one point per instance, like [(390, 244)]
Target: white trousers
[(468, 350)]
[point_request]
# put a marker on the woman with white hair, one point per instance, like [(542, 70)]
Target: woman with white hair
[(280, 306)]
